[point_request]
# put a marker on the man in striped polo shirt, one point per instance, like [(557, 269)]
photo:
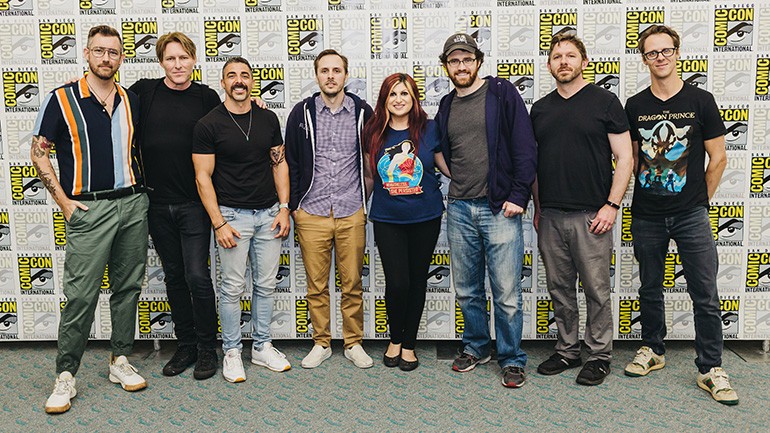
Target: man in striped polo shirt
[(91, 124)]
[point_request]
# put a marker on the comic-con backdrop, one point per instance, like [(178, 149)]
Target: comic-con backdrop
[(725, 49)]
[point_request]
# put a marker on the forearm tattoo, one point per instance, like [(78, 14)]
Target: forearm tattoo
[(277, 155), (40, 145), (40, 148)]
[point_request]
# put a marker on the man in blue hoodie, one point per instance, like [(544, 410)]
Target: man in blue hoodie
[(327, 200), (489, 145)]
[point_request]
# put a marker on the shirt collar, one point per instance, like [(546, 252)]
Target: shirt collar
[(347, 104)]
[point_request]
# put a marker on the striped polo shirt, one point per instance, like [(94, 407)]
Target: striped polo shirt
[(95, 152)]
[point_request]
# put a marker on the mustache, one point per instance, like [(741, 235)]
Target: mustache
[(239, 86)]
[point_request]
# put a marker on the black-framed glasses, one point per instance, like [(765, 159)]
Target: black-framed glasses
[(456, 62), (652, 55), (100, 51)]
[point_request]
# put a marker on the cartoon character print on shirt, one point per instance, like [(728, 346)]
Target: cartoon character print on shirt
[(400, 169), (663, 169)]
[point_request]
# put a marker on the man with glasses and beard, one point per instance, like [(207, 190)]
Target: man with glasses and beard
[(91, 123), (490, 149)]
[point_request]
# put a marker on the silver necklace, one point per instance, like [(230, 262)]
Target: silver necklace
[(245, 133)]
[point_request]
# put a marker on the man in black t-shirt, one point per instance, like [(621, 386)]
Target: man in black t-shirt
[(579, 127), (673, 127), (179, 225), (243, 182)]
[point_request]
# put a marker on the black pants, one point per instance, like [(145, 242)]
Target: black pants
[(181, 234), (405, 252)]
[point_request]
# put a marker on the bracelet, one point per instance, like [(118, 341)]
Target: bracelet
[(615, 205), (220, 226), (283, 206)]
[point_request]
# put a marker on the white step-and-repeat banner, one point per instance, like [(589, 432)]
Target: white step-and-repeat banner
[(725, 49)]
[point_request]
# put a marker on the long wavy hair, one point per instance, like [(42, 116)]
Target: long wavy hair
[(375, 131)]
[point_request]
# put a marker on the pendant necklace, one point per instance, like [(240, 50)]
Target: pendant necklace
[(101, 100), (246, 133)]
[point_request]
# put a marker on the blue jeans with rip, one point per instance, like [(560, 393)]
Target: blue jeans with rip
[(259, 247), (480, 240)]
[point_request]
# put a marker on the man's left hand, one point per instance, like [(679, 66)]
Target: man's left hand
[(511, 209), (604, 220), (282, 221)]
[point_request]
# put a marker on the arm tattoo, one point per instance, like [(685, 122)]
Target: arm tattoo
[(46, 178), (277, 155), (40, 146)]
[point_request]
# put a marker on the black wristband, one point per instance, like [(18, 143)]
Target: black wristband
[(220, 226), (615, 205)]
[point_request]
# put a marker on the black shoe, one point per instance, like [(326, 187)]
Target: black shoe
[(467, 362), (184, 357), (594, 372), (556, 364), (391, 362), (513, 377), (206, 365), (408, 365)]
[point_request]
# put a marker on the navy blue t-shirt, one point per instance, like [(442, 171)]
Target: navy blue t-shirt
[(406, 189)]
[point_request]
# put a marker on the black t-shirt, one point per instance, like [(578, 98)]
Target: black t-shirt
[(574, 158), (670, 175), (243, 176), (167, 137)]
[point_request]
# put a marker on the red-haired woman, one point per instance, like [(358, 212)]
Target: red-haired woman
[(402, 148)]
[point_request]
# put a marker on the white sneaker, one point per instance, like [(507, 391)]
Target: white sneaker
[(232, 366), (63, 392), (316, 356), (359, 357), (269, 357), (644, 362), (126, 375), (717, 383)]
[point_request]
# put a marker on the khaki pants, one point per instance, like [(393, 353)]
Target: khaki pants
[(317, 235)]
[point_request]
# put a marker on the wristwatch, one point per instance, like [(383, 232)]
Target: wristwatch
[(283, 205)]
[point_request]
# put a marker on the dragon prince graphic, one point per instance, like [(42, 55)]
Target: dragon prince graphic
[(663, 170), (400, 169)]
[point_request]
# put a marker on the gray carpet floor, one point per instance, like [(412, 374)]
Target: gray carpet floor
[(337, 397)]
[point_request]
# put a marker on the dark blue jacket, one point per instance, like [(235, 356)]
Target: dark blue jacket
[(300, 146), (510, 142)]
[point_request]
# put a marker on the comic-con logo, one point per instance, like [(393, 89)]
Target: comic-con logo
[(106, 285), (154, 318), (59, 230), (522, 75), (758, 272), (733, 29), (759, 185), (9, 327), (263, 5), (5, 231), (756, 317), (439, 272), (637, 22), (280, 323), (762, 80), (97, 7), (304, 37), (626, 235), (736, 121), (629, 318), (21, 91), (545, 323), (346, 5), (727, 224), (401, 170), (15, 8), (429, 4), (694, 71), (478, 25), (245, 322), (26, 187), (283, 276), (36, 275), (222, 39), (673, 274), (179, 6), (57, 42), (139, 40), (269, 85), (388, 36), (526, 273), (553, 23), (605, 74), (730, 312), (380, 318), (302, 326), (432, 83), (459, 321), (39, 318)]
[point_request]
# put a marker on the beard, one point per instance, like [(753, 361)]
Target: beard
[(464, 82), (565, 79), (331, 93), (101, 73)]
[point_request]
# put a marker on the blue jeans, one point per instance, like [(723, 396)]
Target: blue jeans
[(262, 249), (692, 233), (477, 237), (182, 235)]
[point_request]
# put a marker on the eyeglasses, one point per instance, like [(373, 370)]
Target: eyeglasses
[(101, 51), (456, 62), (652, 55)]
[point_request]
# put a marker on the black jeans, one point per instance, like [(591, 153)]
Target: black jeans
[(405, 253), (182, 234), (691, 231)]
